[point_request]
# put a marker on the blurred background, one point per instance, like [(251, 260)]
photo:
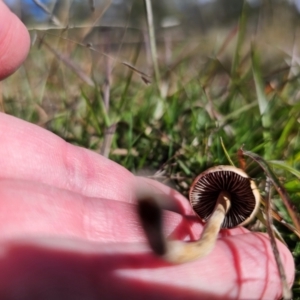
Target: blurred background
[(86, 54), (168, 89), (204, 13)]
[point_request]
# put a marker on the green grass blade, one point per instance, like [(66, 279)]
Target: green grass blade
[(284, 166), (262, 101), (152, 40), (240, 42), (92, 111), (226, 152)]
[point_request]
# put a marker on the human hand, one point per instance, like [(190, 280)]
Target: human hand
[(69, 228)]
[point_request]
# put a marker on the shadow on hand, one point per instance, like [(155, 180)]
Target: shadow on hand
[(84, 270)]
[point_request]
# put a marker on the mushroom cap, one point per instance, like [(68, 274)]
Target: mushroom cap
[(243, 192)]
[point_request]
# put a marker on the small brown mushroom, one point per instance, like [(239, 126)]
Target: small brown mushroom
[(223, 197)]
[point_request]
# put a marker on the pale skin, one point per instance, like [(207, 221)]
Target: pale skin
[(69, 224)]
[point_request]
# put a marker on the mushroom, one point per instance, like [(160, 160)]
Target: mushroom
[(222, 196)]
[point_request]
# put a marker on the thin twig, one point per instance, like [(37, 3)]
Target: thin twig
[(108, 137), (92, 5), (106, 86), (286, 292), (53, 19), (280, 189), (96, 17), (91, 47), (110, 130), (71, 65)]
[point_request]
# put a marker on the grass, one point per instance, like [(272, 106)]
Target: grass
[(238, 85)]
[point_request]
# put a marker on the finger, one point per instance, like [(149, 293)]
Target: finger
[(32, 153), (28, 209), (14, 42), (47, 212), (70, 269)]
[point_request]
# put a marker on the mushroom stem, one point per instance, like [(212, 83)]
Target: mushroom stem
[(150, 212), (180, 252)]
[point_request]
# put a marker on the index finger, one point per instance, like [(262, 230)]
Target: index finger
[(35, 154)]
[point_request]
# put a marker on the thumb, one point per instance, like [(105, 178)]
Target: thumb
[(14, 42)]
